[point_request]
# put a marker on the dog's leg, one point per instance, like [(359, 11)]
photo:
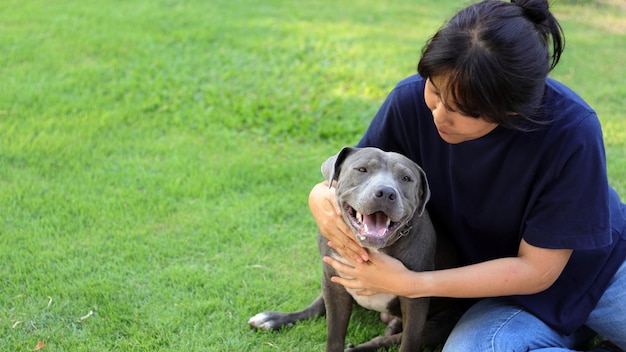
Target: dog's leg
[(393, 327), (444, 314), (338, 311), (414, 315), (377, 343), (414, 312), (276, 320)]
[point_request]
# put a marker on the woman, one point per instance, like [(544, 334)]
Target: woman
[(518, 180)]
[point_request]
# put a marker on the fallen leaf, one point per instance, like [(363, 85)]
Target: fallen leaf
[(40, 346), (83, 318)]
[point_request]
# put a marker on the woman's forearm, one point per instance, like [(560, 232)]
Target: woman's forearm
[(500, 277), (531, 272)]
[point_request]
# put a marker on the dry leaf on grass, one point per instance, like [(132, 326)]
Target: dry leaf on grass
[(40, 346), (85, 317)]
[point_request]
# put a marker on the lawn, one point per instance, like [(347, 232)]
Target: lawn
[(157, 157)]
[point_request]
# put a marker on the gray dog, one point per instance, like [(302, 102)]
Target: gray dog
[(383, 197)]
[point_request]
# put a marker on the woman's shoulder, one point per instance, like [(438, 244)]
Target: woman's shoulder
[(564, 100), (410, 83), (408, 94), (568, 111)]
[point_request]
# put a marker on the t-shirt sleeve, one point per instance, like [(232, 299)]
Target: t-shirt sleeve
[(571, 208)]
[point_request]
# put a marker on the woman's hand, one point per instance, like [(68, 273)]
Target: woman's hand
[(330, 222), (381, 274)]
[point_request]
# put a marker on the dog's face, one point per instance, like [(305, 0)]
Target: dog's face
[(378, 192)]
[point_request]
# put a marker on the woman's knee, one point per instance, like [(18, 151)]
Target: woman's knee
[(483, 327), (496, 325)]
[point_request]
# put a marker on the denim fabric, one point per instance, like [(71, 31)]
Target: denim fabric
[(609, 316), (495, 325)]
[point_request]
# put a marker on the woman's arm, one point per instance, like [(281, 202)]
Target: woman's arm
[(532, 271), (328, 216)]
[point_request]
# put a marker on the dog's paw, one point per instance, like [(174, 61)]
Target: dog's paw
[(267, 321)]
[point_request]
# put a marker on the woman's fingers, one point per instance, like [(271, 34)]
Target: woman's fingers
[(348, 281), (344, 269), (330, 221), (350, 250)]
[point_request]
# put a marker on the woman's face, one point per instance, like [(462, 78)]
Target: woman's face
[(453, 127)]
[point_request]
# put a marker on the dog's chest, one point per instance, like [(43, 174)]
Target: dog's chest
[(379, 302)]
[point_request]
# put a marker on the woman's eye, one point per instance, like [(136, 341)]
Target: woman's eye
[(362, 169)]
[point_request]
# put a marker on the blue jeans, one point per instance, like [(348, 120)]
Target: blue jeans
[(494, 325)]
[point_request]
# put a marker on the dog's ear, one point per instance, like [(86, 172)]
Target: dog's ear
[(332, 166), (424, 192)]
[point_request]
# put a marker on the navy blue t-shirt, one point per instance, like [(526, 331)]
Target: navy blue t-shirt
[(548, 186)]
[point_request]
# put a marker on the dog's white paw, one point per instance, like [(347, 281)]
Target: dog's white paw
[(271, 320), (262, 321)]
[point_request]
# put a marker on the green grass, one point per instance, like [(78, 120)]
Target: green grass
[(157, 157)]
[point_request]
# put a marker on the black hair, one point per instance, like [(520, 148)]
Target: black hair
[(494, 58)]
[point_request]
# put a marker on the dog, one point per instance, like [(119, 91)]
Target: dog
[(383, 198)]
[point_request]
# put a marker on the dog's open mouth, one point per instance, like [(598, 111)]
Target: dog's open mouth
[(377, 225)]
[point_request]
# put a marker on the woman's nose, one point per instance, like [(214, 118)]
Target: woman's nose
[(440, 115)]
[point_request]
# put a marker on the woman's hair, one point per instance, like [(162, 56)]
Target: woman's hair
[(493, 58)]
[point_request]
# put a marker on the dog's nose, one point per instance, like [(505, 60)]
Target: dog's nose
[(386, 193)]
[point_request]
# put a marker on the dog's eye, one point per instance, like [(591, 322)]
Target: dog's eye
[(361, 169), (407, 179)]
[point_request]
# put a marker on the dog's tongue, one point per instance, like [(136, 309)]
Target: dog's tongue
[(376, 224)]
